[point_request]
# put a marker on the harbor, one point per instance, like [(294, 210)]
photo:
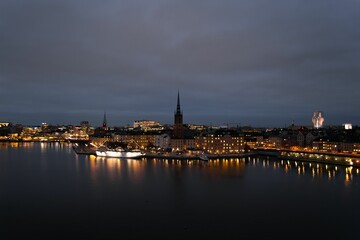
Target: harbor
[(85, 149)]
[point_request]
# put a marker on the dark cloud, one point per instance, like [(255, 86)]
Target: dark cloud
[(255, 62)]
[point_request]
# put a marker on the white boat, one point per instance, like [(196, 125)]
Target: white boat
[(118, 153), (203, 157)]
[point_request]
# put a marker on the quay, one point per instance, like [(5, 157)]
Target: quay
[(194, 156), (341, 159), (89, 150), (316, 157)]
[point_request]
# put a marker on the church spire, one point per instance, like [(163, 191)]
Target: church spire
[(178, 124), (178, 111), (104, 121)]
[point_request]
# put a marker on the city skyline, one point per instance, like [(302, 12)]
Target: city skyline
[(246, 62)]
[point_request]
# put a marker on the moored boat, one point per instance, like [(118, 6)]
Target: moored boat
[(203, 157), (118, 153)]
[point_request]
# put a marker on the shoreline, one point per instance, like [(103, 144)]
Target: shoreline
[(354, 162)]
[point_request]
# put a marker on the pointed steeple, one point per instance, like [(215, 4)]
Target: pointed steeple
[(104, 121), (178, 124), (178, 110)]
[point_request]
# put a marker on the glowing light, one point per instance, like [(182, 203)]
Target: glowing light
[(318, 119)]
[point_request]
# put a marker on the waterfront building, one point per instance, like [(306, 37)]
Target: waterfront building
[(141, 141), (326, 145), (162, 141), (182, 144), (220, 142), (253, 139)]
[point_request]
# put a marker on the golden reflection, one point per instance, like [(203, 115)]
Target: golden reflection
[(348, 178), (316, 170), (116, 169)]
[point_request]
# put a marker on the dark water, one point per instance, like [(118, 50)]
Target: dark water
[(47, 191)]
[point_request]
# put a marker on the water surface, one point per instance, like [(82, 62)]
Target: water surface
[(47, 191)]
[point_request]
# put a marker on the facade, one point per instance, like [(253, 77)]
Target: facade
[(275, 141), (300, 138), (162, 141), (182, 144), (309, 139), (147, 125), (141, 141), (326, 145), (220, 143)]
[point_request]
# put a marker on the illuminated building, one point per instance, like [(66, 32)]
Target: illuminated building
[(347, 126), (147, 125), (197, 127), (142, 141), (182, 144), (220, 143), (326, 145), (318, 119), (4, 124)]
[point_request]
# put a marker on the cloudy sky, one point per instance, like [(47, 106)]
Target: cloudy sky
[(245, 62)]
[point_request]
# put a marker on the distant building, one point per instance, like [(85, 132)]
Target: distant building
[(347, 126), (84, 124), (147, 125), (318, 119), (5, 124)]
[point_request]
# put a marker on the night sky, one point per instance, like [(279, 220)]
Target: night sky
[(255, 62)]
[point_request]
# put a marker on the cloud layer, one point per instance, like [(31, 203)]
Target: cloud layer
[(257, 62)]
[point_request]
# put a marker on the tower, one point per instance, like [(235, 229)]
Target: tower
[(178, 117), (104, 121)]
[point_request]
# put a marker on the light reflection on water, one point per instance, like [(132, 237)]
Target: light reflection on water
[(135, 169), (49, 181), (218, 168), (316, 170)]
